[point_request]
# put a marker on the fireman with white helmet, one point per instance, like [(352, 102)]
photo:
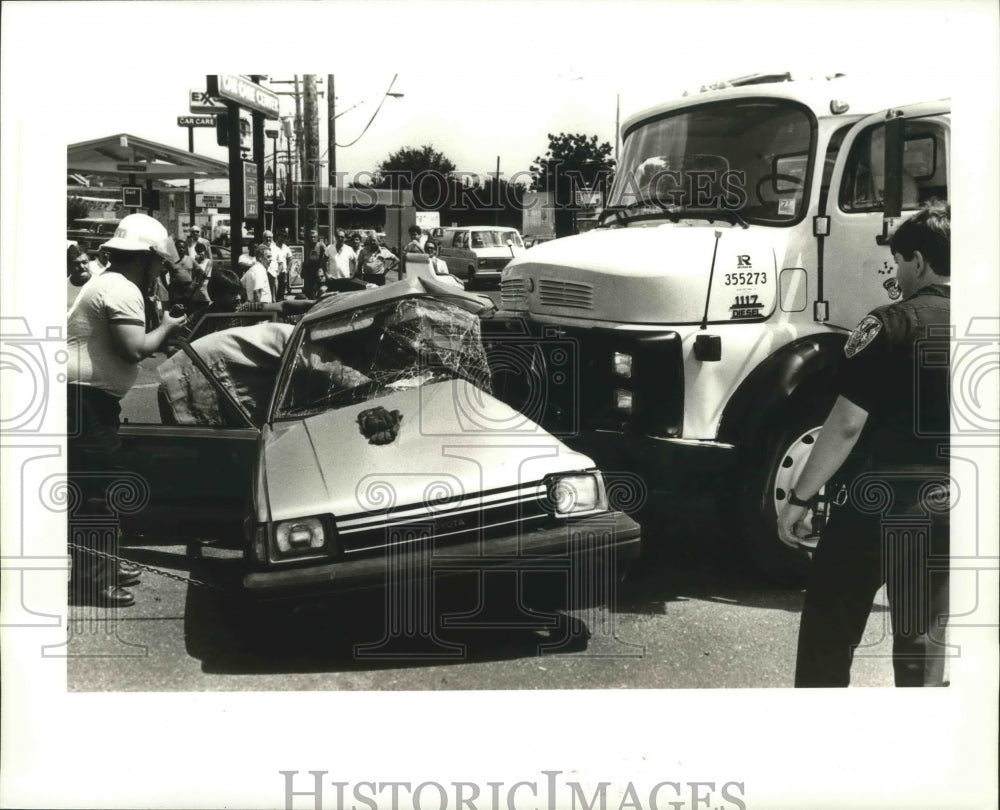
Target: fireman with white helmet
[(106, 340)]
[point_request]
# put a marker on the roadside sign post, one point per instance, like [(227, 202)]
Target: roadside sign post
[(273, 135), (236, 92), (132, 197), (192, 121)]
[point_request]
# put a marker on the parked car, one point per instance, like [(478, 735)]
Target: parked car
[(371, 446), (531, 241), (92, 232), (478, 252), (221, 229)]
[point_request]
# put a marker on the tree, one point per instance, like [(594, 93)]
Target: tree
[(403, 165), (573, 161), (75, 209), (575, 156)]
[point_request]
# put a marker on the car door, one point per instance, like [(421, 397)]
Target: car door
[(860, 272), (196, 478)]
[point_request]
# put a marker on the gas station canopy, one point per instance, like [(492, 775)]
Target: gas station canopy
[(123, 155)]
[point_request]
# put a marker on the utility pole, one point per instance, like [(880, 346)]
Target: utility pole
[(496, 216), (258, 158), (618, 110), (191, 196), (331, 136), (311, 125), (299, 155)]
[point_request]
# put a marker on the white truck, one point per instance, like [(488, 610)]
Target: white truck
[(694, 334)]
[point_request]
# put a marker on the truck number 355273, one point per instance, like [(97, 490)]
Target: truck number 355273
[(745, 278)]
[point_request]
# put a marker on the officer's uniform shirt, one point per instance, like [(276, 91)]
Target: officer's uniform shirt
[(897, 369)]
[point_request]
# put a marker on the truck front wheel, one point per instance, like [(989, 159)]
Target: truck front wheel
[(772, 469)]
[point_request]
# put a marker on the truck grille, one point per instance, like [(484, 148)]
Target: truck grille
[(514, 293), (573, 294)]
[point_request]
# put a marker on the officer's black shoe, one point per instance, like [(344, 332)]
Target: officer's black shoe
[(114, 596)]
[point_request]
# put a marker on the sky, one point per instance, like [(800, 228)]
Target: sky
[(480, 79)]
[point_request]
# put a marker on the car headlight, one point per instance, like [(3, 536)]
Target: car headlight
[(623, 364), (576, 494), (299, 537)]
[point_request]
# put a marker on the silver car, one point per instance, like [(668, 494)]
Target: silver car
[(361, 441)]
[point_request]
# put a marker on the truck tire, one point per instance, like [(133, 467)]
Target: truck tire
[(772, 467)]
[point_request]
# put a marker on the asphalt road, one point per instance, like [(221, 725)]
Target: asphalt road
[(685, 616)]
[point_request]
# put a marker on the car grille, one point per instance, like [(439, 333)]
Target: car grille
[(457, 520), (495, 263), (514, 293), (572, 294)]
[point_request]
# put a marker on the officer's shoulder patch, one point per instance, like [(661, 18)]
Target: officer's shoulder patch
[(863, 334)]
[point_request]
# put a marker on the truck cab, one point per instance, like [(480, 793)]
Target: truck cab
[(704, 318)]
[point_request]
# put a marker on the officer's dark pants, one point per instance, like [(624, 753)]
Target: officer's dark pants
[(93, 418), (905, 546)]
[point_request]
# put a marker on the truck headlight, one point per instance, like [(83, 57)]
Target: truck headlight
[(576, 494), (623, 364), (482, 262), (623, 400), (302, 536)]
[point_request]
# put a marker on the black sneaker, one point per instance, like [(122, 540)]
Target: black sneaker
[(110, 596)]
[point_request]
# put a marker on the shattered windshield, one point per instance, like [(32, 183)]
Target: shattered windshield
[(748, 157), (362, 354)]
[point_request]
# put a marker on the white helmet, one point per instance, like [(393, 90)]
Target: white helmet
[(140, 232)]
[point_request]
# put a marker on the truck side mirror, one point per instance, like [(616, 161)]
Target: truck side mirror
[(893, 199)]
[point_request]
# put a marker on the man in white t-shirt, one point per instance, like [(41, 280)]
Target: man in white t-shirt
[(341, 260), (255, 280), (276, 266), (283, 254), (106, 340)]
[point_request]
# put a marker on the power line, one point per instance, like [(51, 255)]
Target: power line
[(370, 120)]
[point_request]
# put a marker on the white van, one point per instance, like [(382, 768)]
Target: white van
[(743, 239), (477, 252)]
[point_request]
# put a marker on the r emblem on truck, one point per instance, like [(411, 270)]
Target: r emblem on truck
[(743, 261)]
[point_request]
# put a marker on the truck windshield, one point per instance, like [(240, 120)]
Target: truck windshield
[(748, 157)]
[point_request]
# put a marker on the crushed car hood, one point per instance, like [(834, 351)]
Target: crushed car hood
[(454, 440)]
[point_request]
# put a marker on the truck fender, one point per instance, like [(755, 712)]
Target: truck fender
[(809, 363)]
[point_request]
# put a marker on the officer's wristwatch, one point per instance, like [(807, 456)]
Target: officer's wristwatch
[(795, 500)]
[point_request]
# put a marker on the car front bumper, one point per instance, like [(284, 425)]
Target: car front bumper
[(608, 538)]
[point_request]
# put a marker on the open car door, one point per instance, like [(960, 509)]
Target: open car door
[(198, 472)]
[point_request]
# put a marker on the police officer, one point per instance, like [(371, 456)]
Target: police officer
[(890, 422)]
